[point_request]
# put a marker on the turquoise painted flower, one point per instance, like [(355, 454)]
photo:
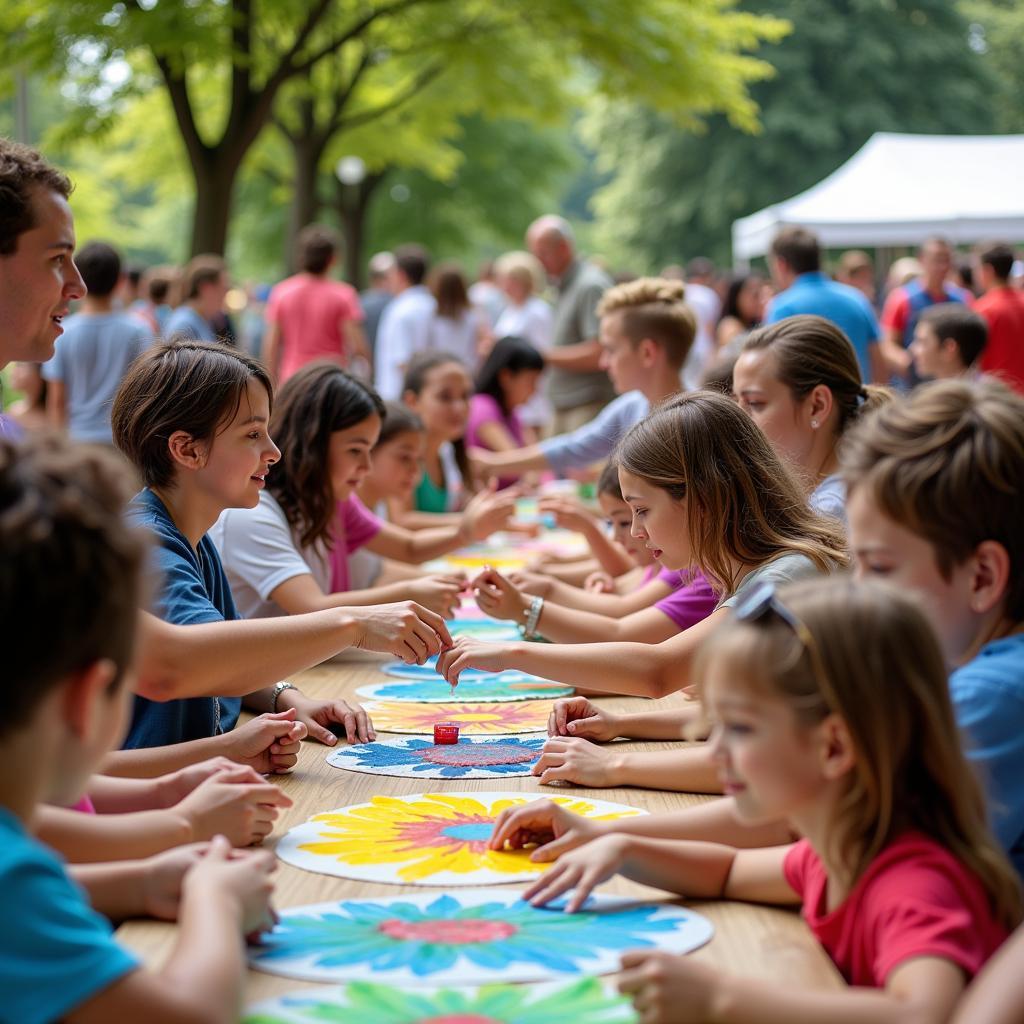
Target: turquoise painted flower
[(428, 939), (508, 756), (587, 1000)]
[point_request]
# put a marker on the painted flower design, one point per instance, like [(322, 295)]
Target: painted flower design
[(431, 833), (588, 1000), (495, 935), (496, 688), (475, 719), (507, 756)]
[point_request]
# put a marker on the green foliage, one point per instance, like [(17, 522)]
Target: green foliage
[(847, 70), (223, 63), (996, 31)]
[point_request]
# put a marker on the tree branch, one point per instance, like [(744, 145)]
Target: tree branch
[(241, 62), (422, 80), (177, 89), (356, 29)]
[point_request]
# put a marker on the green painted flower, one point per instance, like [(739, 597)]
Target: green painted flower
[(589, 1000)]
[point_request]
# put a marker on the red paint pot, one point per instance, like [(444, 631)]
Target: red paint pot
[(446, 732)]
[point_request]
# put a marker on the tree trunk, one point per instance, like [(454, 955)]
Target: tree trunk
[(215, 185), (352, 203), (306, 155)]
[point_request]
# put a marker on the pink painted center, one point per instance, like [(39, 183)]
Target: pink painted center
[(447, 933), (434, 833), (477, 755)]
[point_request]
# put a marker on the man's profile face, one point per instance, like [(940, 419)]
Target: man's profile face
[(38, 281)]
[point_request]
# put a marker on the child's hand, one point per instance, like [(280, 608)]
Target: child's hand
[(535, 583), (583, 870), (269, 743), (668, 988), (438, 593), (175, 786), (567, 759), (599, 582), (237, 803), (467, 653), (577, 716), (568, 514), (403, 629), (318, 715), (241, 876), (161, 883), (554, 829), (487, 512), (499, 598)]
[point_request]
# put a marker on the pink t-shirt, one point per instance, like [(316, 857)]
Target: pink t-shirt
[(689, 602), (485, 409), (309, 312), (915, 899), (354, 525)]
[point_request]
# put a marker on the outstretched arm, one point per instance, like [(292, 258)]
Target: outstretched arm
[(644, 670)]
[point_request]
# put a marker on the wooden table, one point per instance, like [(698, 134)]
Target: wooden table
[(754, 941)]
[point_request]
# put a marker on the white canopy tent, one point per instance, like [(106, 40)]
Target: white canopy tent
[(899, 189)]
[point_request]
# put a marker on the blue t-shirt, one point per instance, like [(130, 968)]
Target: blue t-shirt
[(90, 359), (193, 589), (847, 308), (59, 952), (185, 320), (597, 439), (988, 700)]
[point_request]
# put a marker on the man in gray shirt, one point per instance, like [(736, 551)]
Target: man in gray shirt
[(98, 346), (578, 389)]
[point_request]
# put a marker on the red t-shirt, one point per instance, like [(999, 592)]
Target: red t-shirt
[(1003, 309), (896, 311), (309, 312), (915, 899)]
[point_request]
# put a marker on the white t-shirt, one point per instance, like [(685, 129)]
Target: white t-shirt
[(260, 552), (403, 331), (532, 321), (829, 497), (706, 305), (780, 571), (458, 336)]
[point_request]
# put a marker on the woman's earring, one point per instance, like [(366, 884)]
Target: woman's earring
[(814, 423)]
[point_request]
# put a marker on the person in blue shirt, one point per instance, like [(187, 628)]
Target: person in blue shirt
[(935, 504), (71, 562), (193, 419), (204, 285), (795, 263)]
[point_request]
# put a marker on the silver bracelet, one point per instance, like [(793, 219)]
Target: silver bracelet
[(532, 617), (279, 688)]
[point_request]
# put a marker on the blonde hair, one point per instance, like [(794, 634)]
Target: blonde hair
[(811, 351), (743, 505), (910, 772), (521, 267), (653, 307), (947, 463)]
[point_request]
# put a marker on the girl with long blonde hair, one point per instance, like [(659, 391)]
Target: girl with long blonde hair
[(707, 492)]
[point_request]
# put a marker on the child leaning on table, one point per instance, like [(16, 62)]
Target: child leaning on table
[(897, 873), (69, 558), (192, 418)]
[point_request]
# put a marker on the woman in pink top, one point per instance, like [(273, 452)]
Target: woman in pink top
[(897, 873), (506, 381)]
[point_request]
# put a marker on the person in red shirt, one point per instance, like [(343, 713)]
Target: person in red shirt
[(905, 304), (309, 316), (1002, 306), (897, 872)]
